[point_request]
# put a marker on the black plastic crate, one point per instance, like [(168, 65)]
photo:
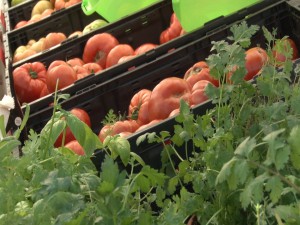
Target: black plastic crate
[(142, 27), (66, 20)]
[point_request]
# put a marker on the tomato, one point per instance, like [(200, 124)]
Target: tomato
[(145, 126), (118, 52), (75, 34), (35, 18), (256, 57), (75, 62), (38, 46), (286, 43), (29, 80), (80, 114), (174, 112), (92, 67), (125, 58), (53, 39), (20, 24), (125, 126), (81, 72), (97, 48), (40, 7), (23, 55), (75, 147), (198, 92), (44, 92), (144, 48), (60, 4), (173, 31), (199, 71), (166, 96), (138, 108), (47, 12), (61, 71)]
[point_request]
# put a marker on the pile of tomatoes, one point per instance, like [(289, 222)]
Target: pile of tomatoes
[(33, 81), (149, 107)]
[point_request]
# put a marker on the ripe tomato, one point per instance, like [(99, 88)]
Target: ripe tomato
[(29, 81), (138, 107), (60, 4), (75, 147), (80, 114), (97, 48), (286, 43), (199, 71), (61, 71), (124, 127), (53, 39), (173, 31), (118, 52), (81, 72), (44, 92), (77, 33), (145, 126), (47, 12), (125, 58), (166, 95), (256, 57), (144, 48), (75, 61), (198, 92), (174, 112), (92, 67)]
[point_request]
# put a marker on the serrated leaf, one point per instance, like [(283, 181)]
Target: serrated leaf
[(294, 141), (241, 171), (225, 171), (282, 157), (275, 187), (143, 183), (110, 172), (245, 148), (7, 145), (137, 158), (274, 143), (172, 184)]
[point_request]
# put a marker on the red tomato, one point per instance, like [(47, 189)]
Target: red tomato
[(80, 114), (92, 67), (98, 47), (29, 81), (256, 57), (199, 71), (60, 4), (166, 97), (144, 48), (118, 52), (145, 126), (81, 72), (198, 92), (44, 92), (138, 107), (75, 147), (173, 31), (53, 39), (60, 70), (174, 112), (47, 12), (125, 58), (287, 42), (125, 126), (75, 62)]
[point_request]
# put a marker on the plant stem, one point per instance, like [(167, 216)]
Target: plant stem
[(275, 173)]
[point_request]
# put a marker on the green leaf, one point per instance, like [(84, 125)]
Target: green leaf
[(7, 145), (83, 134), (119, 147), (275, 187), (294, 141), (137, 158), (172, 184), (242, 33), (110, 172), (145, 218), (226, 171), (143, 183), (245, 148)]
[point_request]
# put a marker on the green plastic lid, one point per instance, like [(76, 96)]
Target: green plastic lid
[(193, 14), (113, 10)]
